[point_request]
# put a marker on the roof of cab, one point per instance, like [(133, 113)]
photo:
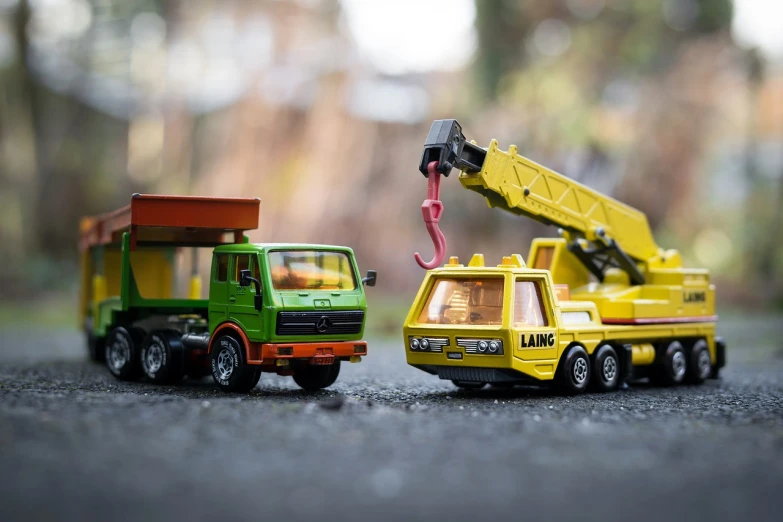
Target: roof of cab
[(476, 267), (485, 270), (267, 247)]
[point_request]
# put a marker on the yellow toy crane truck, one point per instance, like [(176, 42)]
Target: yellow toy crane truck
[(598, 306)]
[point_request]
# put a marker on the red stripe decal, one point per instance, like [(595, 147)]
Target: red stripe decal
[(661, 320)]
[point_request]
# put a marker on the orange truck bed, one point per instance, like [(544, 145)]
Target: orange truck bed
[(175, 220)]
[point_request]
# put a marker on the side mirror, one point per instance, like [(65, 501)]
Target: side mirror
[(244, 280), (370, 278)]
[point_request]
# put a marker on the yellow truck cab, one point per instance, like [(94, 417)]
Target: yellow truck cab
[(485, 324)]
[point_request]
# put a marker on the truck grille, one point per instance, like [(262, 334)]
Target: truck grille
[(466, 374), (461, 373), (319, 323), (436, 344)]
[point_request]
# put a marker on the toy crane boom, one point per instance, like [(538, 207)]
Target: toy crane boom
[(601, 231)]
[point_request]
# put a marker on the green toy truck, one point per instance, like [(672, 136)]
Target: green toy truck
[(290, 309)]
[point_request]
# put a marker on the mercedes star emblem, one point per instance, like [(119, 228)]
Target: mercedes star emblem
[(323, 324)]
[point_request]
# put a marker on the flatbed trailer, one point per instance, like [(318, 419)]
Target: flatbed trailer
[(146, 234), (136, 324)]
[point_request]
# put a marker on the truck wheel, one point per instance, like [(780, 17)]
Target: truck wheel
[(606, 369), (316, 377), (96, 347), (229, 368), (256, 378), (720, 358), (163, 357), (672, 365), (122, 352), (469, 385), (574, 371), (699, 363)]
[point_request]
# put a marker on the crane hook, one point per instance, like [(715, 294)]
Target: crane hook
[(431, 210)]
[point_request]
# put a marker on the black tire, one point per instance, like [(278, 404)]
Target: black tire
[(469, 385), (122, 352), (229, 366), (96, 347), (312, 377), (162, 357), (256, 378), (672, 365), (574, 371), (699, 363), (720, 358), (606, 369)]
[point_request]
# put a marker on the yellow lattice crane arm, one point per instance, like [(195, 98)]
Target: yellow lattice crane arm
[(521, 186), (602, 232)]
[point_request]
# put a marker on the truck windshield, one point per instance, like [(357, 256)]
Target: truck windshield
[(467, 301), (311, 270)]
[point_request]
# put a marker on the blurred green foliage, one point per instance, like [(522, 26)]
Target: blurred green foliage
[(648, 100), (634, 36)]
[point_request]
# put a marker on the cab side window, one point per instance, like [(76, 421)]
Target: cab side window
[(528, 305), (221, 268), (241, 262), (245, 262)]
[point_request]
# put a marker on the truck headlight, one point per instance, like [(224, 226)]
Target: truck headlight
[(428, 344), (481, 346)]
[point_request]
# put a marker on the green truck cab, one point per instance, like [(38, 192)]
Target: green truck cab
[(290, 309)]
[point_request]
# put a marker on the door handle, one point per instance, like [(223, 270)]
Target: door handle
[(232, 299)]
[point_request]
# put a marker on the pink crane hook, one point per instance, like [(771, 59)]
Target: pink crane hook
[(431, 210)]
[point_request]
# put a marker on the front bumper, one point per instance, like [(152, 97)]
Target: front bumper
[(454, 361), (315, 353)]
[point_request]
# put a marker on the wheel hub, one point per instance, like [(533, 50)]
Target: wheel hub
[(225, 364), (154, 358), (704, 364), (678, 365), (119, 354), (580, 370), (609, 369)]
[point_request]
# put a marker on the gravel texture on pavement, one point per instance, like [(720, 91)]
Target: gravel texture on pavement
[(386, 442)]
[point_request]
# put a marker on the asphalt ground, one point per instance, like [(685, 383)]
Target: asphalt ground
[(386, 442)]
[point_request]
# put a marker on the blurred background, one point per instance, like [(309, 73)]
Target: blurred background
[(321, 107)]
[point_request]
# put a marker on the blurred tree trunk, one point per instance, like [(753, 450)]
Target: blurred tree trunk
[(51, 180), (70, 143), (501, 33)]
